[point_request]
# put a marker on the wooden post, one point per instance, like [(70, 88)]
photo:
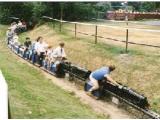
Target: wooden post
[(75, 30), (126, 40), (52, 14), (60, 29), (48, 22), (61, 16), (53, 24), (96, 34), (97, 15)]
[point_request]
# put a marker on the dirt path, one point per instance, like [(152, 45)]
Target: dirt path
[(98, 106)]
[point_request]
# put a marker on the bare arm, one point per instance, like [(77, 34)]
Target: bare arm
[(111, 80)]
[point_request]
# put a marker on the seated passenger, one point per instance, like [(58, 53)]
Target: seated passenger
[(14, 41), (19, 25), (13, 27), (24, 25), (48, 58), (59, 53), (99, 75), (27, 45), (15, 38), (9, 35), (34, 50), (57, 57), (22, 50), (40, 49)]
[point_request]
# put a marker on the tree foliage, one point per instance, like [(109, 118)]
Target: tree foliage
[(32, 11)]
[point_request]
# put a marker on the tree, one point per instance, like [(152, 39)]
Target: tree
[(32, 11)]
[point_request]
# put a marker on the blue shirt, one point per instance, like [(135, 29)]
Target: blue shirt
[(100, 73)]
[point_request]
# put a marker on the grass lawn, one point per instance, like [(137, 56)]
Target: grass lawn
[(32, 95)]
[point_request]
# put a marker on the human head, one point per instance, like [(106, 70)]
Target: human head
[(9, 29), (27, 38), (61, 44), (14, 23), (39, 39), (112, 67), (49, 47)]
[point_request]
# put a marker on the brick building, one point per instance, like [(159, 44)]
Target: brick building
[(120, 15)]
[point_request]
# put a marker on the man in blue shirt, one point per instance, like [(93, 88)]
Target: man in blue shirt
[(101, 74)]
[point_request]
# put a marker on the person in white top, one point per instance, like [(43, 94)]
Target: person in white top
[(19, 24), (59, 52), (58, 56), (13, 27), (34, 47), (48, 57), (15, 39), (36, 44), (14, 43), (9, 35), (40, 49)]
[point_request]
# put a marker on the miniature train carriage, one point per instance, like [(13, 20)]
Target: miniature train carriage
[(21, 51), (60, 70), (76, 71), (55, 68), (15, 48), (127, 94), (120, 92)]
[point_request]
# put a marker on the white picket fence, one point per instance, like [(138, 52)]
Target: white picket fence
[(3, 98)]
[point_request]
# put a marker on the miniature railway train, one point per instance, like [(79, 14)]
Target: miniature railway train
[(121, 92)]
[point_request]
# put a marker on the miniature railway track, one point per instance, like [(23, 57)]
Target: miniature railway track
[(148, 112)]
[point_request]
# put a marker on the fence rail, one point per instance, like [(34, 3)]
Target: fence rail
[(3, 98), (96, 36)]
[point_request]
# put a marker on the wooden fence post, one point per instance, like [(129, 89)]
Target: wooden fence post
[(60, 29), (61, 16), (75, 30), (53, 24), (96, 34), (126, 40)]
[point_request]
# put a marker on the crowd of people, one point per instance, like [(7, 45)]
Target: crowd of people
[(45, 54), (13, 31), (38, 51)]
